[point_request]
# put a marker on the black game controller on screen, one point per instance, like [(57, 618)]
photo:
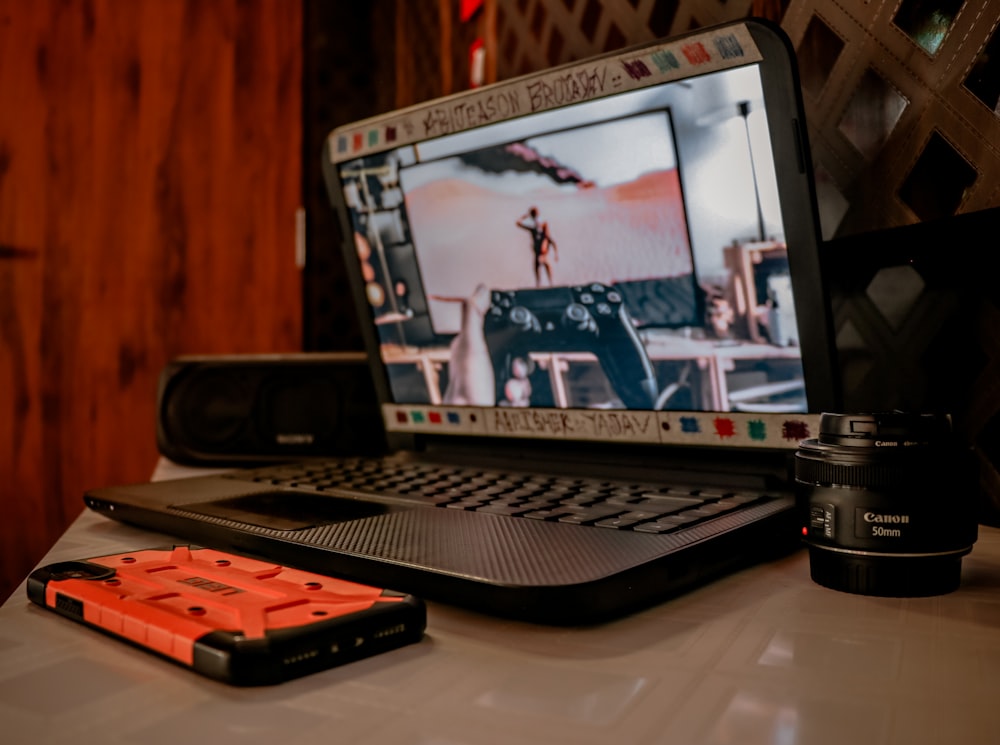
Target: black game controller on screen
[(588, 318)]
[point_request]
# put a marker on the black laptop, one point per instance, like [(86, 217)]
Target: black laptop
[(597, 328)]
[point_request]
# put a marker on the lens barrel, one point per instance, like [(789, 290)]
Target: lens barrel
[(887, 502)]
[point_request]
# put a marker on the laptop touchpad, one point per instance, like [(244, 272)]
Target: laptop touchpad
[(283, 510)]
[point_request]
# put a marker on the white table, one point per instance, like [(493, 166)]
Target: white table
[(761, 656)]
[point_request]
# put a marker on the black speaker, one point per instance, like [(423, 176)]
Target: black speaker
[(235, 409)]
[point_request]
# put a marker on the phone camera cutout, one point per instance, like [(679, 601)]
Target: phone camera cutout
[(196, 610), (313, 585), (222, 562), (320, 613), (113, 582), (128, 560)]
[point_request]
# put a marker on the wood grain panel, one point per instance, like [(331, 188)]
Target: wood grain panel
[(149, 174)]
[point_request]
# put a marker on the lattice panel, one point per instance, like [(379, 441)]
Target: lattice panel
[(535, 34), (903, 107)]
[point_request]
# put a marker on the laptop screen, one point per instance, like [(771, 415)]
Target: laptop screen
[(605, 242)]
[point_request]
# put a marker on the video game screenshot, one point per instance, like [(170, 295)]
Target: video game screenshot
[(624, 252)]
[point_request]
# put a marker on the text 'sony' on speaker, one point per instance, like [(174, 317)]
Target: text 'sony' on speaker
[(242, 408)]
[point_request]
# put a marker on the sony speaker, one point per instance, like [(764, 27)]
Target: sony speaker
[(235, 409)]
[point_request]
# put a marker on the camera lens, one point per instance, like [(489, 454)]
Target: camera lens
[(78, 570), (888, 503)]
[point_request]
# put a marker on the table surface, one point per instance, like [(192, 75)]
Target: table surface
[(761, 656)]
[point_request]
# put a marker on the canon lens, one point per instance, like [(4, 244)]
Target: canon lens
[(888, 503)]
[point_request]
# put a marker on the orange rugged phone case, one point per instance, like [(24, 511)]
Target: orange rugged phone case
[(239, 620)]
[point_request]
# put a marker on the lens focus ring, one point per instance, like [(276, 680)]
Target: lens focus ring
[(879, 476)]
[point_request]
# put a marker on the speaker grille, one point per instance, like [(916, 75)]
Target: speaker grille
[(249, 408)]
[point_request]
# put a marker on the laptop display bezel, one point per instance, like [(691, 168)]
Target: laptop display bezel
[(795, 186)]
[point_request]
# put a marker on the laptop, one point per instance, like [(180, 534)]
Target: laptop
[(597, 327)]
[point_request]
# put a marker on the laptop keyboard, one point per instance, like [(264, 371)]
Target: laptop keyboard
[(617, 505)]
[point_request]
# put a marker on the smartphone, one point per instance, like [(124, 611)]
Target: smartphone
[(238, 620)]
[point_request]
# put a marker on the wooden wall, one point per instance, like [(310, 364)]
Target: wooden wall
[(149, 175), (348, 74)]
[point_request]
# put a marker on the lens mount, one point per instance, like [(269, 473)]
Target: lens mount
[(886, 575)]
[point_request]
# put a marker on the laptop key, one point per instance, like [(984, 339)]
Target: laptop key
[(656, 527), (739, 498), (581, 499), (588, 515), (640, 515), (711, 509), (668, 523), (511, 510), (618, 523), (665, 505), (712, 493), (552, 514), (463, 505), (624, 499), (526, 493)]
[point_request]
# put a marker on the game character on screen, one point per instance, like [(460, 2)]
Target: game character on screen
[(542, 244)]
